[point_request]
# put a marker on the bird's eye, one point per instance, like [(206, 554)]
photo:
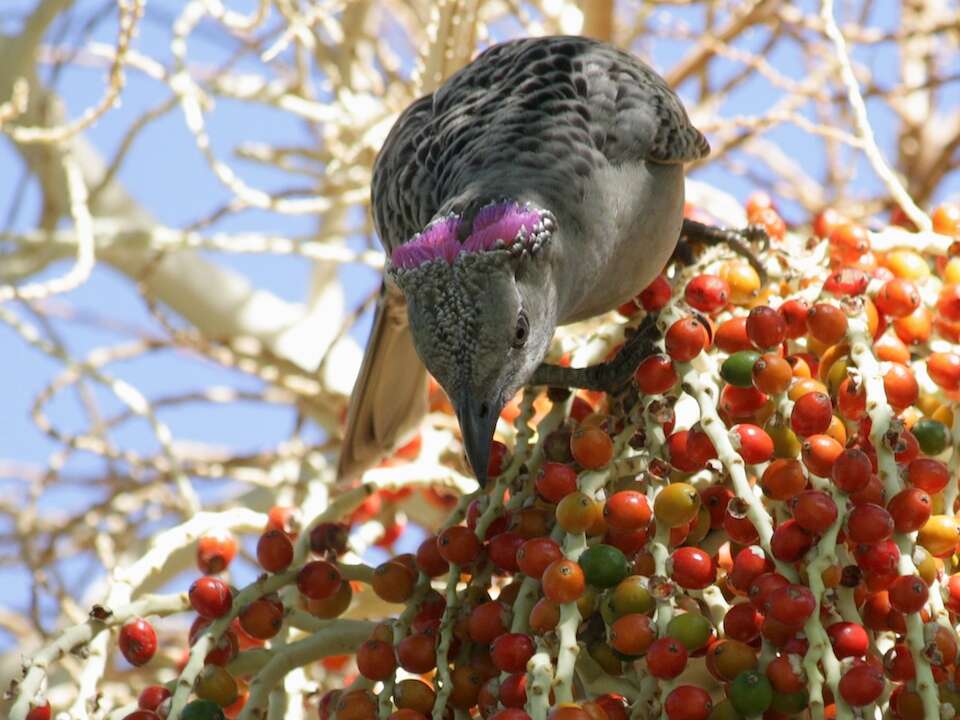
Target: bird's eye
[(522, 330)]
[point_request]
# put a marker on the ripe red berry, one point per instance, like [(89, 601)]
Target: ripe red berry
[(848, 639), (215, 551), (627, 510), (656, 294), (151, 697), (846, 281), (927, 474), (908, 594), (138, 641), (752, 442), (274, 551), (692, 568), (811, 414), (685, 339), (417, 653), (262, 618), (763, 587), (318, 579), (536, 554), (910, 509), (688, 702), (511, 651), (656, 375), (794, 314), (666, 658), (429, 560), (488, 621), (869, 523), (792, 605), (375, 660), (814, 510), (790, 542), (459, 545), (861, 685), (766, 327), (210, 597), (749, 564), (707, 293), (502, 550), (880, 558), (555, 481), (852, 470), (742, 622)]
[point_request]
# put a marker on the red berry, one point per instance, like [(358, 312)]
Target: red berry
[(656, 294), (627, 510), (908, 594), (927, 474), (910, 509), (555, 481), (152, 695), (274, 551), (417, 653), (502, 550), (656, 375), (429, 560), (742, 622), (138, 641), (692, 568), (794, 314), (861, 685), (666, 658), (685, 339), (846, 281), (880, 558), (536, 554), (753, 443), (852, 470), (707, 293), (318, 579), (688, 702), (511, 651), (763, 587), (869, 523), (210, 597), (897, 298), (375, 660), (749, 564), (790, 542), (766, 327), (792, 605), (488, 621), (848, 639), (459, 545), (811, 414), (815, 511), (215, 551)]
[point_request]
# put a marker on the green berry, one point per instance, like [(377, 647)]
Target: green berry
[(751, 692), (738, 368), (604, 565)]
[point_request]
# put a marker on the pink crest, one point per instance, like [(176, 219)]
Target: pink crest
[(501, 222)]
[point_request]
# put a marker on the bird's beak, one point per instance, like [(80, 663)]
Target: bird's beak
[(478, 421)]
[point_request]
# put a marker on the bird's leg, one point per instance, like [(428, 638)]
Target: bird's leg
[(610, 376), (738, 240)]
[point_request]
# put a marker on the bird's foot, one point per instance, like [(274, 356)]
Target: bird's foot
[(611, 376), (740, 241)]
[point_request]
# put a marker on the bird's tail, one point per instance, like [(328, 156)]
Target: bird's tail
[(390, 394)]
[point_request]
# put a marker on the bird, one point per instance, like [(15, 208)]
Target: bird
[(540, 185)]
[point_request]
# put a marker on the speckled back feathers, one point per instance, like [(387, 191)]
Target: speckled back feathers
[(538, 113)]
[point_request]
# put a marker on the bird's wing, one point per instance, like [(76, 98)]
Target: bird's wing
[(390, 394), (537, 114), (401, 195), (639, 116)]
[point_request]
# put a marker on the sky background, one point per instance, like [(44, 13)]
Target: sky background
[(167, 174)]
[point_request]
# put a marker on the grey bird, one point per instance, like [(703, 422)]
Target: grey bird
[(540, 185)]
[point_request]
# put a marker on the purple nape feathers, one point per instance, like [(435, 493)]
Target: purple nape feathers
[(501, 222)]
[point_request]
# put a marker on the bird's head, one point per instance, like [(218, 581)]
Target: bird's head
[(481, 314)]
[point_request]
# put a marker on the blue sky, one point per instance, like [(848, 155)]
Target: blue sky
[(166, 173)]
